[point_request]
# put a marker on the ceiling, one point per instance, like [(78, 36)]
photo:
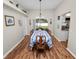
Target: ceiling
[(34, 4)]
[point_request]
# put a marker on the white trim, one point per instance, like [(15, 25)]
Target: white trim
[(12, 48), (52, 33), (71, 52), (5, 2), (66, 48), (57, 38)]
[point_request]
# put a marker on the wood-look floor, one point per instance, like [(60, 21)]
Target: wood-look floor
[(64, 44), (56, 52)]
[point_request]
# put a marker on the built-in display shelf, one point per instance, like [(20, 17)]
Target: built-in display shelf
[(7, 3)]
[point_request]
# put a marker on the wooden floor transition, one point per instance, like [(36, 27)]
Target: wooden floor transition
[(22, 51)]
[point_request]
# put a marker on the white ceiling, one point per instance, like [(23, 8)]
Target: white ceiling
[(34, 4)]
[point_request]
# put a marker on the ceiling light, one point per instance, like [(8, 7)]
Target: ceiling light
[(68, 14)]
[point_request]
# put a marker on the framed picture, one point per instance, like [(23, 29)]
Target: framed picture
[(20, 22), (9, 20), (30, 22), (58, 17), (51, 21)]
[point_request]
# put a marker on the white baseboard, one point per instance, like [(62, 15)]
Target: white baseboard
[(66, 48), (52, 33), (57, 38), (71, 52), (12, 48)]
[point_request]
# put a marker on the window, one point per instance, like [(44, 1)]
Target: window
[(41, 24)]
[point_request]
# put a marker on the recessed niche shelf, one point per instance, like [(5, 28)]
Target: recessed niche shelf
[(7, 3)]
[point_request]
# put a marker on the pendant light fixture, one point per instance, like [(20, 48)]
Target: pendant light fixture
[(40, 8)]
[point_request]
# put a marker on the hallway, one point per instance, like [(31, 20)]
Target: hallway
[(56, 52), (43, 24)]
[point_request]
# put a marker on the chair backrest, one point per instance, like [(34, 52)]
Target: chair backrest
[(40, 39), (44, 38), (37, 39)]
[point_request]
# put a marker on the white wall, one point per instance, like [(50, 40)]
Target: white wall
[(72, 33), (48, 14), (64, 7), (13, 34)]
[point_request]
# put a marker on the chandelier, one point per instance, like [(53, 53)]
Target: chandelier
[(40, 8)]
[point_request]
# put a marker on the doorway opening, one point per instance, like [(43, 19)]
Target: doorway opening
[(66, 27)]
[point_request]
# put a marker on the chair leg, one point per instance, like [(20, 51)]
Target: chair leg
[(36, 53), (44, 53)]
